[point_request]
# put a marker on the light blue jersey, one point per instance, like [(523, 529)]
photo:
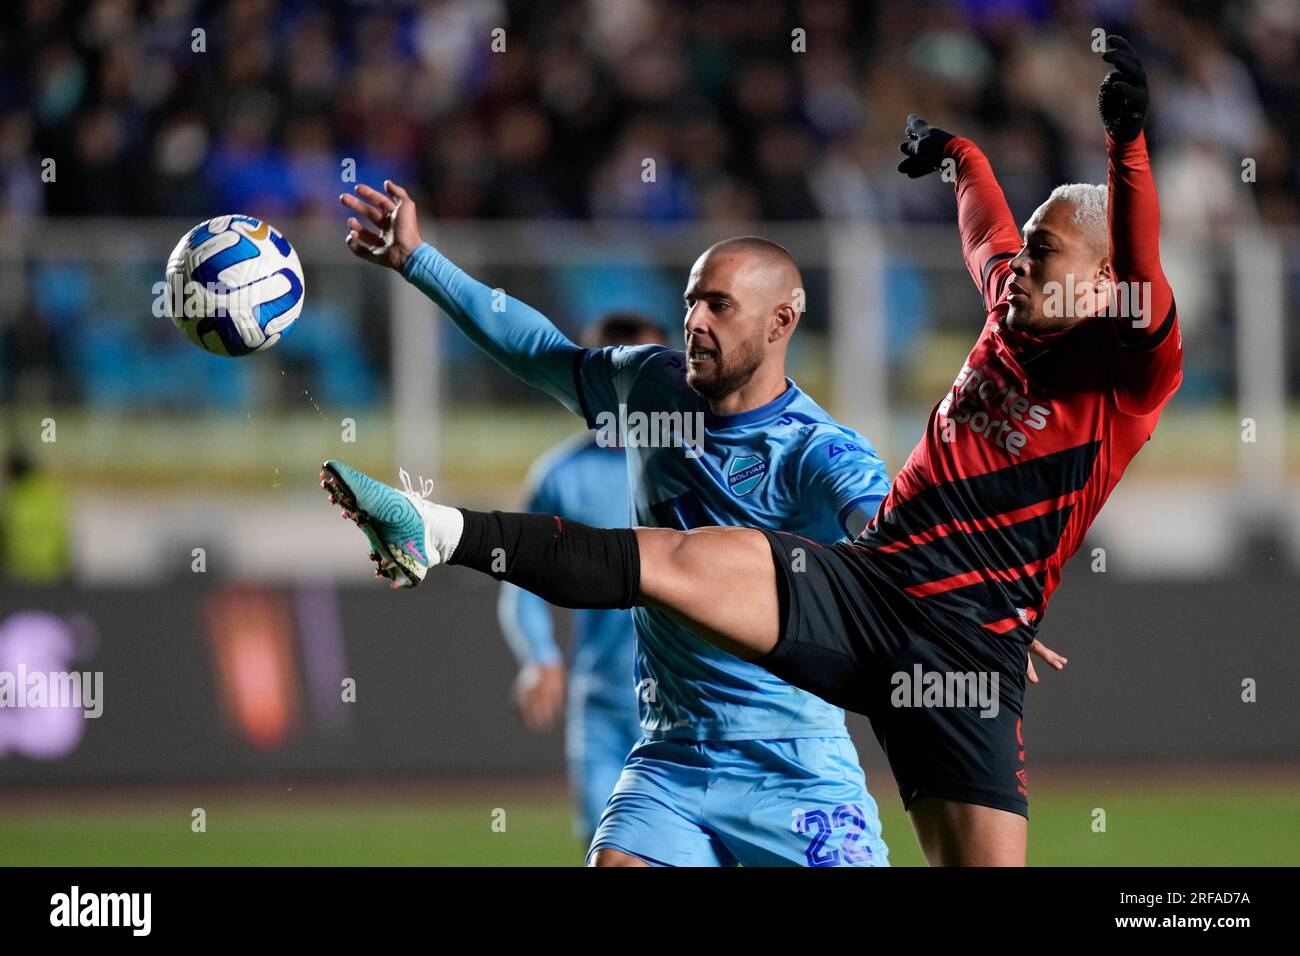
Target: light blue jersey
[(787, 466), (737, 766), (582, 481)]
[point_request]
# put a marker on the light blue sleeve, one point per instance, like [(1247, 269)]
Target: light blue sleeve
[(844, 474), (526, 619), (606, 376), (515, 334)]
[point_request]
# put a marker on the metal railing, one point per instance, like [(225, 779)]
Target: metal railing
[(891, 312)]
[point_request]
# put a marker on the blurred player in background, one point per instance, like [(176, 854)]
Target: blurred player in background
[(583, 480)]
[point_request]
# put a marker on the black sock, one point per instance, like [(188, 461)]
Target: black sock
[(567, 563)]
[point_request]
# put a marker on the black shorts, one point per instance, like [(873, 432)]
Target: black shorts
[(944, 697)]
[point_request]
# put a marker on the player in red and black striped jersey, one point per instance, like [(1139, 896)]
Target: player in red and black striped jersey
[(923, 623), (1078, 356)]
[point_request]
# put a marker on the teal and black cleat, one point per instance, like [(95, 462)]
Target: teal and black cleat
[(396, 522)]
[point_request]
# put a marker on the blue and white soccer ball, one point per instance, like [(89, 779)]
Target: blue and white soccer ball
[(234, 285)]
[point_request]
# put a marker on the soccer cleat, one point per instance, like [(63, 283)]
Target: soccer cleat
[(408, 534)]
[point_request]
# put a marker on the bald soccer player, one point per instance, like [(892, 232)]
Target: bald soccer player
[(733, 765)]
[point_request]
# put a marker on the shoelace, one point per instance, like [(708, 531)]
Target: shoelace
[(426, 484)]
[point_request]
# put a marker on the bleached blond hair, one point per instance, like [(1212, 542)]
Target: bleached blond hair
[(1089, 208)]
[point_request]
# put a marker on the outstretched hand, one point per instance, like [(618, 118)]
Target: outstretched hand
[(923, 147), (1122, 97), (1048, 656), (393, 215)]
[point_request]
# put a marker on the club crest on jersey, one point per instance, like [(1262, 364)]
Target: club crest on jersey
[(745, 473)]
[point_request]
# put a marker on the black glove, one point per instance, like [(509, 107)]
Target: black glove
[(1122, 99), (923, 147)]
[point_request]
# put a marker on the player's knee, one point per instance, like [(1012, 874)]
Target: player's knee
[(954, 833), (606, 856)]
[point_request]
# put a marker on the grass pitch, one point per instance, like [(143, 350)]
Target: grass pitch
[(1149, 823)]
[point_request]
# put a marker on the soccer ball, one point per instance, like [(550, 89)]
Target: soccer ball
[(234, 285)]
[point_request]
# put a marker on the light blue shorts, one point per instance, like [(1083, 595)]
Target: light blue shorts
[(797, 802)]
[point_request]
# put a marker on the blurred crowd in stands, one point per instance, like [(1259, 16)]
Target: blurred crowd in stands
[(504, 109), (744, 118)]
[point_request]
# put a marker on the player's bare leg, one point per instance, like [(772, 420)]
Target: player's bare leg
[(718, 582), (965, 834), (607, 857)]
